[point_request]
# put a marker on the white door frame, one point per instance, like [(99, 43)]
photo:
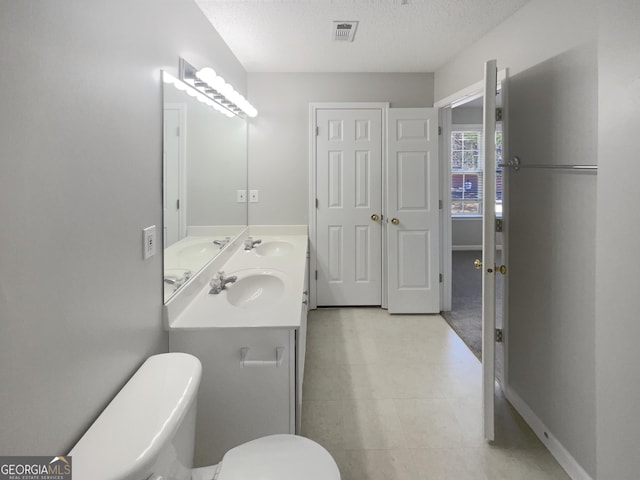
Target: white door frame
[(444, 107), (313, 260)]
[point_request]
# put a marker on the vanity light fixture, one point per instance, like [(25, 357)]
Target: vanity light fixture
[(193, 92), (213, 86)]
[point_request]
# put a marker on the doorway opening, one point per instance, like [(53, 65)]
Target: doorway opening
[(463, 163)]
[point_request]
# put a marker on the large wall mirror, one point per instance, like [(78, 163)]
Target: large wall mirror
[(205, 183)]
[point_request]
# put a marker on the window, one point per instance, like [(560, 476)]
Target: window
[(467, 170)]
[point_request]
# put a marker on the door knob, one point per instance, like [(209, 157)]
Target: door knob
[(395, 221), (502, 268), (375, 217)]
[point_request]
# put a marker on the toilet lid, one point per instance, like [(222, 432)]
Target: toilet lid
[(279, 457)]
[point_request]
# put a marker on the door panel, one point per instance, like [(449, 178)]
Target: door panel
[(349, 192), (413, 211), (413, 247)]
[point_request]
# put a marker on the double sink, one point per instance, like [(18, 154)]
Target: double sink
[(269, 282)]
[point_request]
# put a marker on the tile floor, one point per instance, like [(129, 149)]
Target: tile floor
[(398, 397)]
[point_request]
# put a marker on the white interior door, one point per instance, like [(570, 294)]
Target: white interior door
[(489, 249), (349, 206), (413, 215), (173, 166)]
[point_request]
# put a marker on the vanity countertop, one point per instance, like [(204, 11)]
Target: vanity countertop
[(283, 255)]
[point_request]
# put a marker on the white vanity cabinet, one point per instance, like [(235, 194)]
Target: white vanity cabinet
[(252, 354), (239, 403)]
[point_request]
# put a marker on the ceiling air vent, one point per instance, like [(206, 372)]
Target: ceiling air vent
[(344, 31)]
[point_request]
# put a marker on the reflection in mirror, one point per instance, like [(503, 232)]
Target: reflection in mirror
[(205, 165)]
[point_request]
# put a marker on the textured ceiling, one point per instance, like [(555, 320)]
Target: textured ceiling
[(392, 36)]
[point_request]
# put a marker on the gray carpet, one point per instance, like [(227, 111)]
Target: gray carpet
[(465, 317)]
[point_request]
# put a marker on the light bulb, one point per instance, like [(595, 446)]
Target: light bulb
[(218, 83), (207, 75), (235, 97), (226, 90)]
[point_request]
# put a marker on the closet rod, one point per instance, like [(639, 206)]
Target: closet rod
[(516, 164)]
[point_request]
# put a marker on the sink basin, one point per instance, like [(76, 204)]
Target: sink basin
[(197, 250), (274, 249), (256, 288)]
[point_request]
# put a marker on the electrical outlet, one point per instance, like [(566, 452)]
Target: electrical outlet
[(241, 196), (149, 242), (253, 196)]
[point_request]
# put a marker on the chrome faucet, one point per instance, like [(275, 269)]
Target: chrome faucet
[(249, 243), (178, 281), (222, 243), (219, 282)]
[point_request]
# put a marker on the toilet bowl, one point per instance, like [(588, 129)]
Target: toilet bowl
[(147, 432)]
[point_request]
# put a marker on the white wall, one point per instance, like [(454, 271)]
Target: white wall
[(279, 136), (467, 116), (553, 119), (538, 31), (80, 176), (617, 240)]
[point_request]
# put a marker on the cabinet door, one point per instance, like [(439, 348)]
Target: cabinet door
[(237, 404)]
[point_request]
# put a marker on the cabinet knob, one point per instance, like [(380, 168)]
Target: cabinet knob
[(395, 221), (375, 217)]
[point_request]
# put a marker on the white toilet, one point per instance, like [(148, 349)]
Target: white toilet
[(148, 431)]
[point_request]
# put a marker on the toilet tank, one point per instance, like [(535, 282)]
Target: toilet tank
[(148, 428)]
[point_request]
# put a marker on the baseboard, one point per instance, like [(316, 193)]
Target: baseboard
[(564, 458)]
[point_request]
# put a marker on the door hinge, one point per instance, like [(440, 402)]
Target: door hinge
[(317, 203), (439, 130), (316, 274), (499, 225), (439, 204), (178, 204), (498, 335), (441, 278), (498, 114), (317, 131)]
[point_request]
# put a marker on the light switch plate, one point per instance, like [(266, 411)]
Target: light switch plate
[(253, 196), (149, 242), (241, 196)]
